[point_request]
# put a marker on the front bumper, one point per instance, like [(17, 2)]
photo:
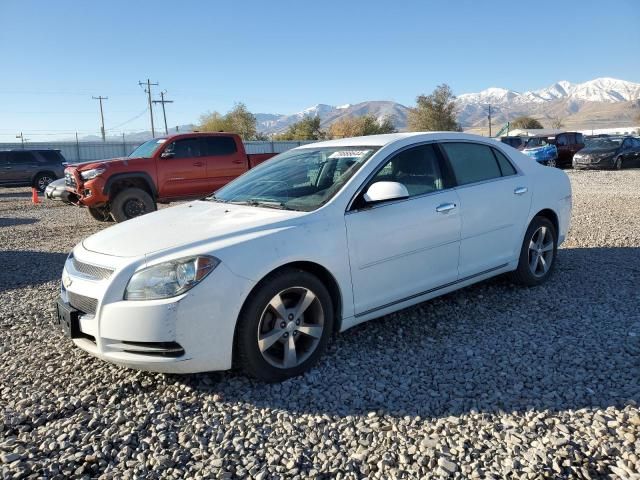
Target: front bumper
[(189, 333), (585, 164)]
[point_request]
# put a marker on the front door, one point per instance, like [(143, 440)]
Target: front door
[(182, 170), (401, 249), (494, 204)]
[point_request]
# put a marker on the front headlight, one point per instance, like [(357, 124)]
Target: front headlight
[(170, 278), (93, 173)]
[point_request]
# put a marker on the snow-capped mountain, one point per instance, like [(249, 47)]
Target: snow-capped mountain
[(598, 102), (610, 90)]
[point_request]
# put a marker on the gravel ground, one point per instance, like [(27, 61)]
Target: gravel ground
[(494, 381)]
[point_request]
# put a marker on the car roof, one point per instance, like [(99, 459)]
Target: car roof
[(390, 138)]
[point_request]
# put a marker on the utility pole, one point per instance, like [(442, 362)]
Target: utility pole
[(164, 113), (100, 98), (489, 116), (148, 92), (21, 137)]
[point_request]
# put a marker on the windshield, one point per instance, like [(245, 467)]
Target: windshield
[(147, 149), (603, 142), (302, 179), (536, 142)]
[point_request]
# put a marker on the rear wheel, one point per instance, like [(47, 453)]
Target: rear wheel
[(42, 180), (538, 253), (130, 203), (551, 163), (101, 214), (284, 327)]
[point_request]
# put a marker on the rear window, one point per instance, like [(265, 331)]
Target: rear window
[(472, 162), (505, 165), (215, 146)]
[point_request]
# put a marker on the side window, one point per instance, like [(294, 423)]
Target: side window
[(503, 162), (185, 148), (216, 146), (417, 168), (51, 156), (562, 140), (471, 162), (626, 143), (579, 138), (21, 158)]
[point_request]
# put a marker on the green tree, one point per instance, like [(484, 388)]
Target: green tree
[(434, 112), (361, 126), (306, 129), (525, 123), (238, 120)]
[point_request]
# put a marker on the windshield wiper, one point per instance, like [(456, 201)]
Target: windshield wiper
[(263, 203)]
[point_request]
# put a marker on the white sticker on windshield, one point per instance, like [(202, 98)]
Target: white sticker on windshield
[(349, 153)]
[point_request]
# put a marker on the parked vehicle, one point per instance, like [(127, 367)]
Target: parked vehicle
[(568, 144), (315, 241), (30, 168), (161, 170), (57, 190), (516, 142), (609, 152), (541, 150)]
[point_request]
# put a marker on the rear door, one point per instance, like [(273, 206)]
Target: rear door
[(402, 249), (223, 161), (22, 167), (183, 172), (494, 205)]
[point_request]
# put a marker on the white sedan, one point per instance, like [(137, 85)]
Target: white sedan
[(312, 242)]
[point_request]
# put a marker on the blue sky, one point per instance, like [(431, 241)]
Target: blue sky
[(283, 56)]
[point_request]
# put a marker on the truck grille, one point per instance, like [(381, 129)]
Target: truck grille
[(93, 271), (82, 303), (69, 181)]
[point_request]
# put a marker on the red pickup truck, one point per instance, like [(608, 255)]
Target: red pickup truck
[(162, 170)]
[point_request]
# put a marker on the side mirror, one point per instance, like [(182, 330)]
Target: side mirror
[(384, 191), (167, 155)]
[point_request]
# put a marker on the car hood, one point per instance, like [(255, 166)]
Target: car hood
[(185, 225), (89, 164), (596, 151)]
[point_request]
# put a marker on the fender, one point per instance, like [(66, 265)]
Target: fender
[(129, 175)]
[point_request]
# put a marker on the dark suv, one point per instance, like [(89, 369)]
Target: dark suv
[(30, 168), (568, 144)]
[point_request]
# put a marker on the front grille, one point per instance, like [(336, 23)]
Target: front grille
[(93, 271), (82, 303), (69, 180)]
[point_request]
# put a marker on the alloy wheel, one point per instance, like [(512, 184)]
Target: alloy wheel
[(618, 163), (43, 182), (290, 328), (134, 208), (541, 250), (551, 163)]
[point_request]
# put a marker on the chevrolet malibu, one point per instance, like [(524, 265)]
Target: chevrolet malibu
[(312, 242)]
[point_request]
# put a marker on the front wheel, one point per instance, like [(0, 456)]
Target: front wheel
[(551, 163), (618, 163), (130, 203), (538, 253), (284, 327)]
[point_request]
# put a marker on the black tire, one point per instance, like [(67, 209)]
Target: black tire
[(249, 358), (130, 203), (618, 163), (101, 214), (42, 180), (524, 275)]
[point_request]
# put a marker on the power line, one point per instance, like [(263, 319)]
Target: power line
[(164, 113), (100, 98), (130, 120), (148, 92)]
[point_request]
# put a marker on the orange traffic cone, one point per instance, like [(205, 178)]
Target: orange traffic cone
[(34, 196)]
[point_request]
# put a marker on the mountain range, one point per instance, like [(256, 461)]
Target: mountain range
[(598, 103)]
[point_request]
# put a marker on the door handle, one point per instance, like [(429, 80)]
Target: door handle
[(198, 164), (520, 190), (445, 207)]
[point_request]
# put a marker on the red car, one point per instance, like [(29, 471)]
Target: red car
[(162, 170)]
